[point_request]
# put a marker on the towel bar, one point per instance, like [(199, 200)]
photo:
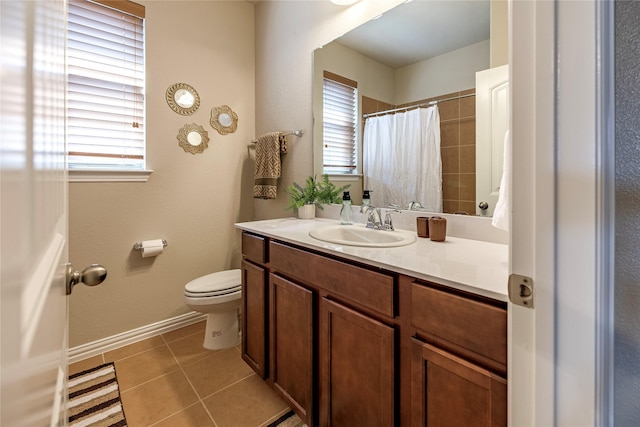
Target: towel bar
[(293, 132)]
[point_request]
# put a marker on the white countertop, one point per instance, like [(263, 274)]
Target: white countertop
[(470, 265)]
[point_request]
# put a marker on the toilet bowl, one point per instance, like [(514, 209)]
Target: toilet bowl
[(218, 295)]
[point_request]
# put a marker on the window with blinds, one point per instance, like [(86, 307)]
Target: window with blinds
[(105, 91), (339, 124)]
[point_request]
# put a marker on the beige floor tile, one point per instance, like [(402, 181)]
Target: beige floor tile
[(85, 364), (193, 416), (157, 399), (145, 366), (132, 349), (189, 349), (248, 403), (186, 331), (217, 371)]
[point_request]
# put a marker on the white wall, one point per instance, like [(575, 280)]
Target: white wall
[(450, 72), (190, 200)]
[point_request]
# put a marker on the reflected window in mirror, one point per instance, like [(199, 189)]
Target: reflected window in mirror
[(339, 119)]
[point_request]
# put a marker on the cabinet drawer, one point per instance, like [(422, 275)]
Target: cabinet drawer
[(254, 247), (365, 287), (461, 323)]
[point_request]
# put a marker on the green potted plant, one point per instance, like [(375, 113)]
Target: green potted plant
[(314, 194)]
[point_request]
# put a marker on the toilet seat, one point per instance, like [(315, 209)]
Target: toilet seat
[(215, 284)]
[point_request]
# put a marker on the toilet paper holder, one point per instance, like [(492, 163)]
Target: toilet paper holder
[(138, 245)]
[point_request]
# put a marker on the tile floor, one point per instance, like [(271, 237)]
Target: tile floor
[(171, 381)]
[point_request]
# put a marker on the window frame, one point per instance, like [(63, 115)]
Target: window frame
[(113, 173), (355, 168)]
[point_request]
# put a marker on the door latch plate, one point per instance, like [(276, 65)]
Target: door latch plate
[(521, 290)]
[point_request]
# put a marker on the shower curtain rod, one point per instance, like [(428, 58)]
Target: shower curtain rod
[(409, 107)]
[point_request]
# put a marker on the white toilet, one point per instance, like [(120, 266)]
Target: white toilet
[(218, 295)]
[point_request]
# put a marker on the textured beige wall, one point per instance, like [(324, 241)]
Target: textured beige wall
[(499, 33), (190, 200), (287, 33)]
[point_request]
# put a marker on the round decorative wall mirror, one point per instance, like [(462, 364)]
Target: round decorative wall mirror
[(193, 138), (224, 120), (183, 99)]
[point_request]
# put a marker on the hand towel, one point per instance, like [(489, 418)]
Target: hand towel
[(502, 212), (267, 169), (283, 144)]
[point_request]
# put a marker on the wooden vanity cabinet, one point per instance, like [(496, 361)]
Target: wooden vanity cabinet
[(352, 345), (458, 359), (313, 302), (357, 360), (254, 303), (291, 342), (449, 391)]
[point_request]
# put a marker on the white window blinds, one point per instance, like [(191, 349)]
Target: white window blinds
[(105, 92), (339, 121)]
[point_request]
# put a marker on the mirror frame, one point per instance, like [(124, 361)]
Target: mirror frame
[(183, 138), (215, 119), (171, 99)]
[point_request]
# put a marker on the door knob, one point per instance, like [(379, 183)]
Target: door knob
[(483, 205), (90, 276)]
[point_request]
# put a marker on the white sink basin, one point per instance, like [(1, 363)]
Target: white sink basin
[(359, 235)]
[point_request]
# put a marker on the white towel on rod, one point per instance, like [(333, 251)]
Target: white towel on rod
[(502, 212)]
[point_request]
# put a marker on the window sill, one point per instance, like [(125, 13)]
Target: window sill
[(109, 175), (344, 177)]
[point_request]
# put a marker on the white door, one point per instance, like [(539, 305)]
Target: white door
[(492, 122), (33, 242), (557, 232)]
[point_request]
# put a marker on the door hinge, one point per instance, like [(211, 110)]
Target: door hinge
[(521, 290)]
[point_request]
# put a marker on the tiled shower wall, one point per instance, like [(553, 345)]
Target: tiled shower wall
[(457, 146)]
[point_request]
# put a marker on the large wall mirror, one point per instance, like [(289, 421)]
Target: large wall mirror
[(416, 52)]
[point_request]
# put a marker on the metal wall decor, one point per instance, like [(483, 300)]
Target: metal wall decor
[(183, 99), (193, 138), (223, 119)]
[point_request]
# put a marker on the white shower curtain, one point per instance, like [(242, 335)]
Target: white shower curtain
[(402, 162)]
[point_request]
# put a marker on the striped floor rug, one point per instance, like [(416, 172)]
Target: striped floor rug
[(290, 419), (94, 398)]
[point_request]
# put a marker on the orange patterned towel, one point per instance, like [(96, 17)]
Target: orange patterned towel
[(268, 166)]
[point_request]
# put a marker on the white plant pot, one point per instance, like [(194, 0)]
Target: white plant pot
[(307, 212)]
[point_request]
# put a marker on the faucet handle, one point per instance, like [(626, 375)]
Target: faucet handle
[(371, 217), (388, 222)]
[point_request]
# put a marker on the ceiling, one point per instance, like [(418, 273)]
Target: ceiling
[(420, 29)]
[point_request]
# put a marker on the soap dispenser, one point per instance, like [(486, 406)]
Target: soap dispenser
[(346, 213), (366, 201)]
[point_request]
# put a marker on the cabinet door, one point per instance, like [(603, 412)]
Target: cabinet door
[(291, 342), (447, 391), (357, 385), (254, 317)]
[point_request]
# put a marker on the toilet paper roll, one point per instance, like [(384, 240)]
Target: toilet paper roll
[(152, 248)]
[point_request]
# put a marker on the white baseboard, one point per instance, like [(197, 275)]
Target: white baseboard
[(113, 342)]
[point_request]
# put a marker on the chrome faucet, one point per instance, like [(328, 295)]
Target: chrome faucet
[(373, 217), (415, 206)]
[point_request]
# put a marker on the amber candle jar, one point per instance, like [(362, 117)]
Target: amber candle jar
[(422, 226), (437, 228)]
